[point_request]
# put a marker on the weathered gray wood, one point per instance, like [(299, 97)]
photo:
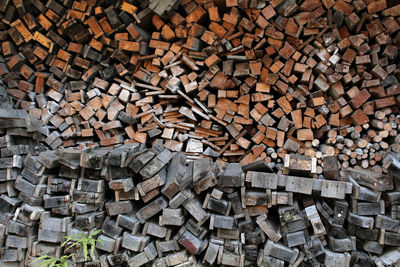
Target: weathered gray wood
[(40, 248), (340, 212), (363, 193), (56, 201), (387, 223), (11, 162), (35, 177), (153, 229), (297, 164), (176, 171), (194, 207), (295, 239), (111, 229), (331, 167), (151, 209), (299, 185), (363, 233), (211, 254), (393, 197), (253, 198), (135, 242), (368, 208), (224, 222), (9, 204), (262, 180), (217, 205), (13, 118), (236, 204), (204, 175), (233, 176), (83, 174), (342, 244), (166, 246), (121, 184), (390, 238), (130, 222), (30, 189), (331, 189), (291, 218), (94, 158), (176, 258), (314, 247), (280, 251), (156, 164), (12, 256), (32, 212), (49, 159), (324, 213), (231, 259), (229, 234), (196, 229), (361, 221), (315, 220), (70, 158), (370, 179), (106, 244), (20, 229), (180, 198), (81, 208), (89, 220), (144, 157), (192, 243), (388, 258), (118, 155), (89, 185), (271, 229), (271, 261), (336, 259), (373, 247), (257, 166), (156, 181), (115, 208), (15, 241), (318, 183), (148, 255), (172, 217), (282, 198)]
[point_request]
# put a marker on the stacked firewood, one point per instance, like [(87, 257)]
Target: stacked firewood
[(234, 133), (237, 80), (157, 207)]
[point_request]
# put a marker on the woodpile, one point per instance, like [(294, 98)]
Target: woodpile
[(237, 80), (234, 133), (157, 207)]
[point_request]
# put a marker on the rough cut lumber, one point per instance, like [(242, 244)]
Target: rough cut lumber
[(192, 131)]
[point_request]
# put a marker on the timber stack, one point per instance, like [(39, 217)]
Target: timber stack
[(237, 80), (194, 132), (157, 207)]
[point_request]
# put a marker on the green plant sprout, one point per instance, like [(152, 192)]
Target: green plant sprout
[(49, 261), (84, 241)]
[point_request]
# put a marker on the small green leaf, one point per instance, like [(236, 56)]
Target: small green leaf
[(95, 232), (92, 250), (49, 261), (41, 258), (85, 251), (84, 241)]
